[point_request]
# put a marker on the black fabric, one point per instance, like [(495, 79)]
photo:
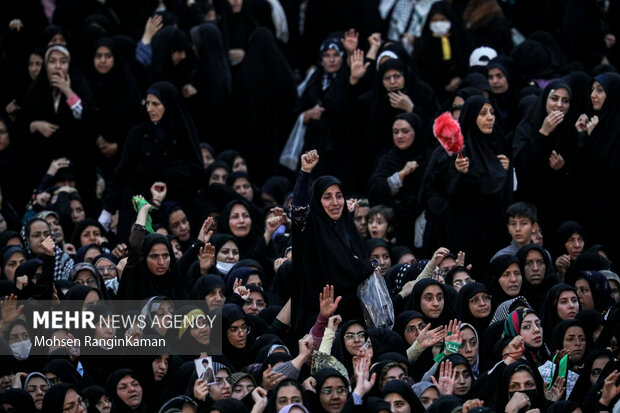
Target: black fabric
[(66, 372), (467, 292), (238, 357), (535, 294), (165, 42), (205, 285), (549, 313), (327, 252), (339, 349), (405, 202), (253, 244), (111, 384), (415, 299), (502, 397), (19, 399), (563, 234), (506, 102), (494, 271), (557, 342), (583, 384), (54, 399)]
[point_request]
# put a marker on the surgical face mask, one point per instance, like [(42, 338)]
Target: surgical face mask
[(224, 267), (441, 27), (21, 350)]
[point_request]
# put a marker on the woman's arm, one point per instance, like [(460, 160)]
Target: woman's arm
[(301, 194)]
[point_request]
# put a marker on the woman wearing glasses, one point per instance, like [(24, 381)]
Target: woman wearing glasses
[(332, 391), (473, 305), (349, 340), (237, 344)]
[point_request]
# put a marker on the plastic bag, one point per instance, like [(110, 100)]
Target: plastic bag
[(375, 300), (295, 143)]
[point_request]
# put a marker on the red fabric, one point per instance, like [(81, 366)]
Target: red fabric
[(448, 132)]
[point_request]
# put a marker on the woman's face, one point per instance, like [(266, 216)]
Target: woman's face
[(332, 61), (393, 80), (397, 403), (354, 337), (154, 108), (129, 391), (239, 165), (254, 304), (104, 405), (106, 268), (38, 232), (532, 331), (12, 263), (378, 226), (35, 62), (575, 342), (598, 96), (179, 225), (457, 107), (228, 253), (201, 332), (585, 294), (333, 395), (429, 396), (462, 380), (432, 301), (221, 389), (242, 388), (160, 367), (218, 176), (460, 279), (382, 255), (521, 381), (158, 260), (480, 305), (18, 333), (511, 280), (36, 388), (568, 305), (90, 235), (59, 235), (497, 81), (469, 347), (333, 202), (486, 119), (77, 211), (597, 367), (91, 299), (215, 299), (254, 279), (104, 60), (287, 395), (558, 100), (574, 245), (57, 64), (104, 329), (534, 267), (244, 188), (240, 221), (395, 373), (237, 333), (207, 157), (403, 134), (413, 328)]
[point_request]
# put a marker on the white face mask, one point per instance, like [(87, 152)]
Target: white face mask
[(441, 27), (21, 350), (224, 267)]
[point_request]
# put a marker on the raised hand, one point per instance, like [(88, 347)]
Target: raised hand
[(358, 67), (409, 167), (277, 218), (259, 395), (429, 338), (363, 383), (556, 162), (327, 304), (556, 391), (48, 246), (333, 322), (153, 25), (514, 350), (201, 390), (271, 378), (314, 113), (158, 192), (205, 231), (581, 124), (610, 388), (446, 378), (462, 164), (309, 160), (57, 164), (592, 124), (206, 257), (454, 333), (350, 40), (305, 346), (10, 310), (551, 121)]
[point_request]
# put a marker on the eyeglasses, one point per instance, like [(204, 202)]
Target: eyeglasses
[(394, 76), (156, 257), (355, 336), (221, 381), (483, 299), (109, 268), (340, 391), (460, 283), (88, 281), (417, 328), (73, 406), (245, 329)]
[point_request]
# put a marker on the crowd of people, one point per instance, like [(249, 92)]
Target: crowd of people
[(267, 158)]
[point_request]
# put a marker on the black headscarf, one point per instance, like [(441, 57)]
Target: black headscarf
[(94, 393), (549, 313), (583, 384), (238, 358), (66, 372), (328, 252), (339, 349), (229, 405), (599, 288), (277, 187), (253, 244), (415, 300), (111, 384), (405, 391), (19, 399), (537, 398), (321, 376), (535, 294), (81, 226), (54, 399), (494, 271), (403, 319), (482, 150), (557, 342), (167, 41), (205, 285), (463, 312), (603, 144), (563, 234)]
